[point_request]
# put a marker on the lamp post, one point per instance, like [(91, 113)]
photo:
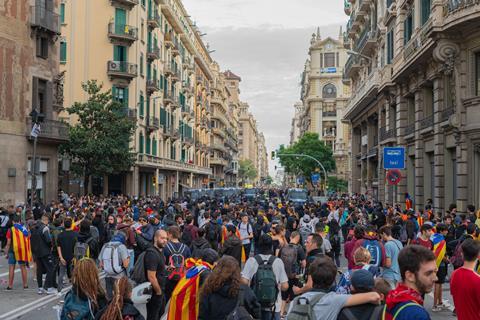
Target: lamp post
[(305, 156), (34, 133)]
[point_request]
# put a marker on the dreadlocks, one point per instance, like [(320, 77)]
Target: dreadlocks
[(122, 290), (85, 280)]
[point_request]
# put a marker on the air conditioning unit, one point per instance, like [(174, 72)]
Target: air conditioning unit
[(114, 66)]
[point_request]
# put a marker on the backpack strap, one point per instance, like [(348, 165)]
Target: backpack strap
[(259, 260), (349, 314), (395, 315), (376, 312), (271, 260)]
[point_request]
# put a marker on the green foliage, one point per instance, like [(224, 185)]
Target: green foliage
[(268, 180), (99, 142), (310, 145), (338, 185), (247, 170)]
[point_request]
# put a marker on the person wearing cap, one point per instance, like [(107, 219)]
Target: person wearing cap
[(362, 281)]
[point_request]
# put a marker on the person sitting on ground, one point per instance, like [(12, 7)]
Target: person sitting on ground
[(327, 304), (121, 306)]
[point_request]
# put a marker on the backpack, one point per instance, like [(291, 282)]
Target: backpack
[(186, 237), (138, 273), (142, 243), (304, 311), (112, 262), (403, 234), (212, 234), (304, 232), (75, 308), (239, 313), (82, 249), (264, 283), (289, 255), (334, 239), (375, 251), (377, 311), (457, 259), (387, 316), (176, 262)]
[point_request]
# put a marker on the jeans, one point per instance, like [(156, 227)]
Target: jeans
[(247, 248), (61, 274), (155, 307), (45, 265), (269, 315)]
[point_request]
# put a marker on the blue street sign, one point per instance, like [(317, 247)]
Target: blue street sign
[(300, 180), (393, 158), (329, 70), (315, 178)]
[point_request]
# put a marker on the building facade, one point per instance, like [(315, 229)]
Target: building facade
[(248, 137), (295, 127), (262, 165), (415, 79), (324, 97), (30, 80)]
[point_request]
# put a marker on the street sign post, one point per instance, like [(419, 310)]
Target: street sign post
[(393, 158), (394, 177), (315, 178)]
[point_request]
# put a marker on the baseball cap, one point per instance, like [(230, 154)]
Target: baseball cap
[(362, 280)]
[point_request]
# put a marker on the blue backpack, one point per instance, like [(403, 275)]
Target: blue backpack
[(375, 251), (75, 308)]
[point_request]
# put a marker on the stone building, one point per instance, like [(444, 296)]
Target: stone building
[(247, 136), (30, 80), (324, 97), (415, 78)]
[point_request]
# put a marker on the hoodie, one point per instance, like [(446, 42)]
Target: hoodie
[(218, 305), (399, 297), (233, 247), (198, 245)]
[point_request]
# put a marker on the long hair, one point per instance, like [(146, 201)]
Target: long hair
[(227, 271), (85, 280), (122, 291)]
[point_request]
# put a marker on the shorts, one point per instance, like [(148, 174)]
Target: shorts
[(12, 261), (442, 274), (289, 295)]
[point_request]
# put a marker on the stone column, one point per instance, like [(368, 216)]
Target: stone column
[(419, 152), (381, 171), (462, 172), (402, 122), (105, 184), (439, 147)]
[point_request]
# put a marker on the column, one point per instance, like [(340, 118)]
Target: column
[(419, 152), (105, 184), (462, 172), (439, 147), (402, 122)]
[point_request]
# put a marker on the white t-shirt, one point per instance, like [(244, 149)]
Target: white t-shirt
[(251, 267), (245, 229)]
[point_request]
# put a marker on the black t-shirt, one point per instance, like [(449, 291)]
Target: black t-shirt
[(155, 261), (66, 241)]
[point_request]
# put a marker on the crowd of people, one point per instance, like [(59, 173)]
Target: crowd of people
[(237, 259)]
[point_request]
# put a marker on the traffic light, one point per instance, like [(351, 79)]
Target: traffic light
[(273, 155), (154, 180)]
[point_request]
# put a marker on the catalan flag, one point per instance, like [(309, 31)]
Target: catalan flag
[(439, 247), (21, 243), (408, 202), (184, 303)]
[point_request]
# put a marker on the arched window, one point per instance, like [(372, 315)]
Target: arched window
[(329, 91)]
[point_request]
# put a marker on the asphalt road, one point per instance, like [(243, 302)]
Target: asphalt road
[(28, 305)]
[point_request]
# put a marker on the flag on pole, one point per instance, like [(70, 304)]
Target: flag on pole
[(35, 130)]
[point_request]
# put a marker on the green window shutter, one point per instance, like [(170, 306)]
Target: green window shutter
[(172, 152), (155, 74), (183, 155), (142, 107), (141, 63), (119, 53), (63, 52), (154, 146), (161, 82), (426, 8), (120, 20), (149, 71), (163, 117), (125, 98), (149, 40), (147, 149), (62, 12), (140, 143)]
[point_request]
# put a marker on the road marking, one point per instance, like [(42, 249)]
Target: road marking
[(18, 312), (6, 273)]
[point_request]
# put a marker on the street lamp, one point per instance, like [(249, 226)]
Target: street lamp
[(34, 133)]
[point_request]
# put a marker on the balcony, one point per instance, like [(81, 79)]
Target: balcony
[(167, 97), (387, 134), (364, 5), (51, 131), (146, 160), (367, 41), (168, 69), (153, 20), (123, 33), (122, 69), (169, 40), (187, 113), (127, 3), (219, 147), (426, 122), (410, 129), (153, 85), (176, 75), (167, 132), (174, 133), (175, 51), (219, 132), (217, 161), (363, 95), (188, 141), (453, 6), (153, 53), (329, 114), (153, 124), (372, 152), (446, 113), (44, 20), (352, 66)]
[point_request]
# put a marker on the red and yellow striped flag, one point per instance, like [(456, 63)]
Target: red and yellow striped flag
[(21, 243), (439, 247), (225, 236)]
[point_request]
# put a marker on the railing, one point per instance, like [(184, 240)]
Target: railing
[(362, 39), (372, 152), (353, 59), (367, 85), (122, 68), (49, 129), (426, 122), (124, 31), (455, 5), (153, 122), (446, 113), (153, 84), (129, 3), (410, 129), (46, 19), (386, 134), (172, 164), (153, 52), (154, 18)]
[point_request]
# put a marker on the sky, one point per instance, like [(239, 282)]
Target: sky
[(265, 42)]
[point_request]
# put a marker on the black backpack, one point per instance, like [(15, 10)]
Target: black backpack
[(138, 273), (239, 313), (289, 256), (212, 234)]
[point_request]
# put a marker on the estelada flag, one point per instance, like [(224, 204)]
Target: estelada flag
[(439, 247), (21, 243), (184, 303)]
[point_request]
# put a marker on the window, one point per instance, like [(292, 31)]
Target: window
[(42, 95), (408, 28), (329, 60), (143, 3), (141, 110), (147, 148), (120, 95), (42, 47), (390, 48), (140, 143), (329, 91), (426, 8), (141, 64), (477, 73), (142, 30), (321, 60), (338, 59), (154, 147), (63, 51), (62, 13)]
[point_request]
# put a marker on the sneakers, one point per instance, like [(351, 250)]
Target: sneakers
[(41, 291), (8, 289), (52, 291), (437, 308)]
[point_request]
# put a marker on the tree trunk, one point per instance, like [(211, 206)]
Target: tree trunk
[(86, 182)]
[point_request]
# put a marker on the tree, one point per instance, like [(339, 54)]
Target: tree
[(338, 185), (268, 180), (99, 142), (310, 145), (247, 170)]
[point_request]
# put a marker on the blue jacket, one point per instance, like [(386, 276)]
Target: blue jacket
[(411, 312)]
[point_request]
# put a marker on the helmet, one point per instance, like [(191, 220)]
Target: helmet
[(142, 293)]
